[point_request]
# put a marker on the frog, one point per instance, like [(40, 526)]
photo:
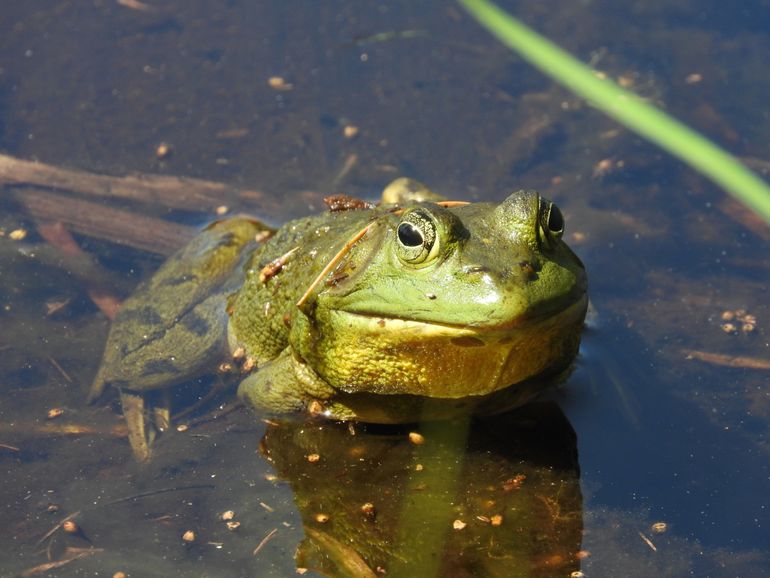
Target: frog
[(415, 308)]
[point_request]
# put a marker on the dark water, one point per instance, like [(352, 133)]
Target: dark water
[(659, 436)]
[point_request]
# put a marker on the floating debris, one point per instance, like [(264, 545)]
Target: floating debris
[(54, 412), (416, 438), (693, 78), (342, 202), (17, 235), (369, 511), (137, 5), (514, 483), (163, 150), (275, 266), (279, 83), (659, 527), (738, 320), (582, 554), (249, 364), (727, 360)]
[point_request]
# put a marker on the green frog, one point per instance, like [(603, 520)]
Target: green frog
[(413, 309)]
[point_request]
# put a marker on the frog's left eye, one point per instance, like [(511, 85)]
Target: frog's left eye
[(417, 238), (552, 220)]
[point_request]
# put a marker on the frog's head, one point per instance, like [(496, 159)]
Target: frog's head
[(451, 301)]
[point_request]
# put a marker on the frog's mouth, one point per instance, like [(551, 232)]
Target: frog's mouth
[(389, 355), (564, 310)]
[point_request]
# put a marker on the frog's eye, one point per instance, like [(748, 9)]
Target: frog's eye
[(552, 220), (417, 238)]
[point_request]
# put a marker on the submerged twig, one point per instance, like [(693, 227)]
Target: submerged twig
[(154, 493), (121, 500), (96, 220), (59, 238), (71, 554), (168, 191), (61, 429), (50, 532), (216, 415), (727, 360), (648, 542), (264, 541), (60, 369), (50, 193), (136, 5), (350, 162)]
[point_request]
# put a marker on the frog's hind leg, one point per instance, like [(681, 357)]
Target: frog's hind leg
[(138, 434)]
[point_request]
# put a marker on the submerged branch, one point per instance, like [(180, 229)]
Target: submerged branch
[(727, 360), (167, 191), (53, 194), (96, 220)]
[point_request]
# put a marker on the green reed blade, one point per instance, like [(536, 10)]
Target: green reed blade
[(625, 107)]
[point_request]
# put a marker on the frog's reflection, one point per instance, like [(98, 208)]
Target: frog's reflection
[(498, 497)]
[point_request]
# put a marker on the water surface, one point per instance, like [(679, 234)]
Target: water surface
[(661, 434)]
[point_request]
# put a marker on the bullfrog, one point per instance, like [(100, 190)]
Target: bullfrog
[(412, 309)]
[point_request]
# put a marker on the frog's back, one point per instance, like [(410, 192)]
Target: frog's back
[(280, 272), (172, 326)]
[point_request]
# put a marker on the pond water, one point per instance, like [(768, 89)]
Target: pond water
[(651, 460)]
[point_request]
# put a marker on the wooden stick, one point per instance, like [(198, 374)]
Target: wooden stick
[(168, 191), (727, 360), (96, 220)]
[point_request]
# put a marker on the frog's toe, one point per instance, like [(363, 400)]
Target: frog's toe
[(138, 432), (161, 411)]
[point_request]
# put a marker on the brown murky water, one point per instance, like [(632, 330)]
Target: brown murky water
[(664, 429)]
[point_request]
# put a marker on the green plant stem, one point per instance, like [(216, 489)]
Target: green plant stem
[(625, 107)]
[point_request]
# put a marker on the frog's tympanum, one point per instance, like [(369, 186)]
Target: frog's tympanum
[(414, 309)]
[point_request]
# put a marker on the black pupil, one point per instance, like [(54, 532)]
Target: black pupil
[(409, 235), (555, 220)]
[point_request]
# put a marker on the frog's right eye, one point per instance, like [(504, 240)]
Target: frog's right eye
[(417, 238), (550, 222)]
